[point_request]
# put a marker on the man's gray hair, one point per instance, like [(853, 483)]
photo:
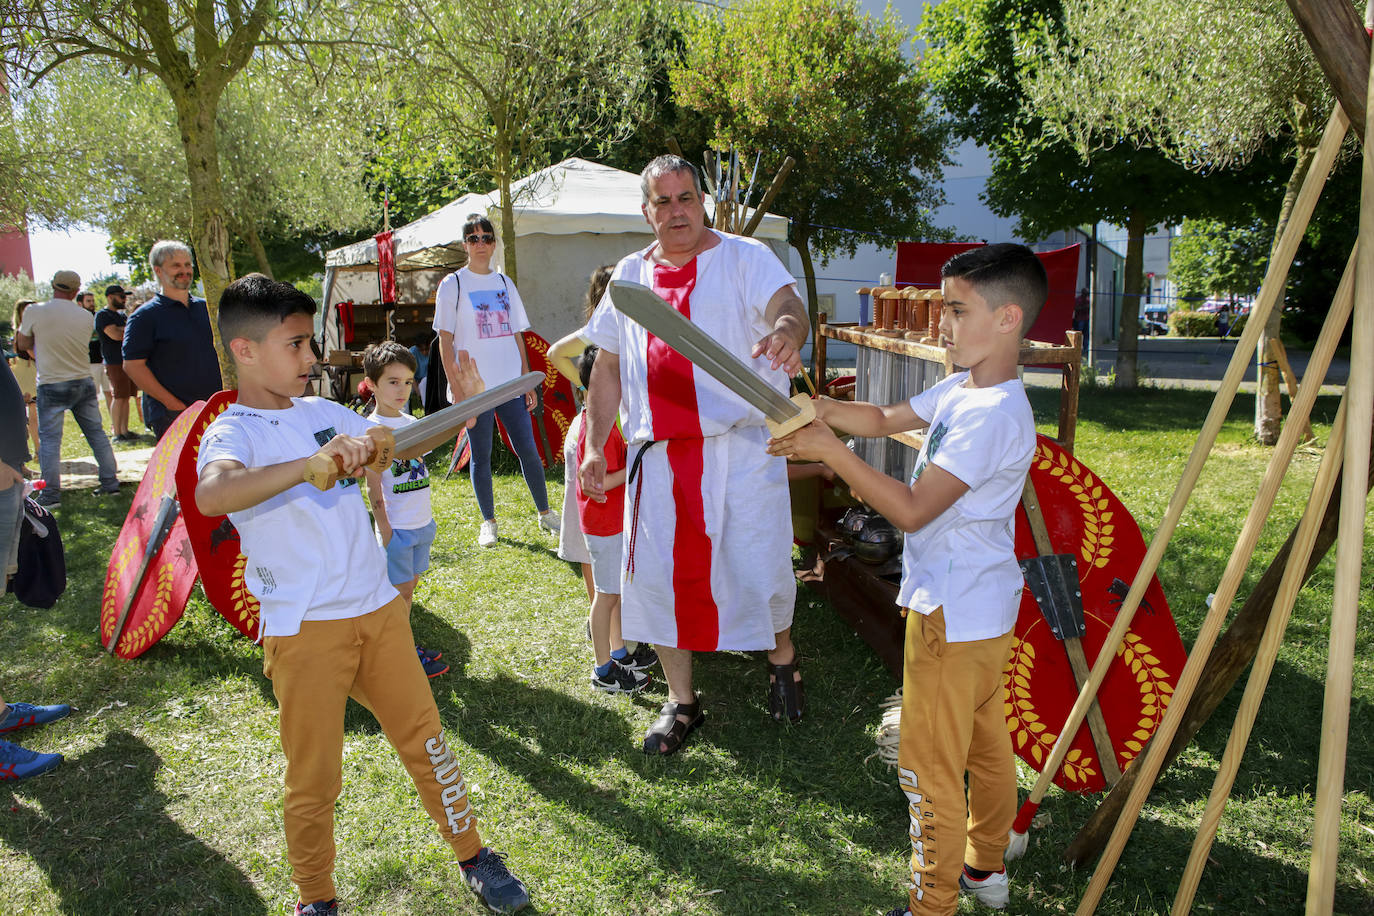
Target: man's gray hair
[(664, 165), (163, 249)]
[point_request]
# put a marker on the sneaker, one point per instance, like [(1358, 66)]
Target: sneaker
[(620, 679), (22, 715), (318, 908), (641, 658), (428, 653), (433, 667), (902, 910), (550, 522), (101, 492), (46, 501), (18, 763), (489, 877), (487, 536), (992, 891)]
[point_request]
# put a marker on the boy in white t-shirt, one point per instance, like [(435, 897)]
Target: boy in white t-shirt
[(331, 625), (399, 496), (959, 570)]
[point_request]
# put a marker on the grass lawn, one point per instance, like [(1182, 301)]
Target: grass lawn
[(170, 798)]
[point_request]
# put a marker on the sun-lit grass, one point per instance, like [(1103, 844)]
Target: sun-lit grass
[(170, 797)]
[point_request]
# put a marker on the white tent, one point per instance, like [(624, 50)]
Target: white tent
[(569, 219)]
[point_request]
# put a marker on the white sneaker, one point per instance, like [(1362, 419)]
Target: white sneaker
[(487, 536), (993, 891), (550, 522)]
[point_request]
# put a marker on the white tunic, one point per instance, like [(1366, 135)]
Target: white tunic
[(708, 555)]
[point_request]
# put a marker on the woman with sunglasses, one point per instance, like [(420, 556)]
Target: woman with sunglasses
[(479, 310)]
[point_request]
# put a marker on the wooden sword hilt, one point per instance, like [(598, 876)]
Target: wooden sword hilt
[(325, 470), (808, 413)]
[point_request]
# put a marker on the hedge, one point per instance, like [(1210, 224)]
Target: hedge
[(1192, 324)]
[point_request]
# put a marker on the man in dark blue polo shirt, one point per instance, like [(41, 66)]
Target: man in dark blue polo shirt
[(169, 349)]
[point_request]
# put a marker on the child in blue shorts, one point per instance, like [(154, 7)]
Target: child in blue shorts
[(400, 494)]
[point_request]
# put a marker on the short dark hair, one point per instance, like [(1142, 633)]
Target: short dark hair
[(476, 221), (253, 305), (1003, 273), (380, 355), (584, 369)]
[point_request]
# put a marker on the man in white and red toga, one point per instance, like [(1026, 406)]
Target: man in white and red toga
[(708, 549)]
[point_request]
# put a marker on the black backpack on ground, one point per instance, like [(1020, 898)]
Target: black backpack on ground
[(42, 575)]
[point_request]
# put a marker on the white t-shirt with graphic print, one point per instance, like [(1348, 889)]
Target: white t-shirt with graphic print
[(484, 313), (311, 554), (405, 484), (965, 558)]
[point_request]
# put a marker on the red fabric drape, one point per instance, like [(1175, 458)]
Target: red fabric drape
[(919, 263), (345, 310), (386, 267)]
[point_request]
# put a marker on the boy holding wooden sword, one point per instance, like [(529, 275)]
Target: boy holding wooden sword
[(959, 570), (331, 624)]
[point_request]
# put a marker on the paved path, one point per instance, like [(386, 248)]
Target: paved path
[(1194, 362), (80, 473)]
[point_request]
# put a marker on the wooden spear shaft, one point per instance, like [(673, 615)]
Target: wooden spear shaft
[(1293, 576), (1345, 603), (1270, 294), (1150, 762)]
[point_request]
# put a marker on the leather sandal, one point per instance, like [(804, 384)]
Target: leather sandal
[(668, 733), (786, 694)]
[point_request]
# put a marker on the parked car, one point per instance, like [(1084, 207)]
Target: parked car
[(1155, 321)]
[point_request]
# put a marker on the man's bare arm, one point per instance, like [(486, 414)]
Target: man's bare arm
[(786, 315)]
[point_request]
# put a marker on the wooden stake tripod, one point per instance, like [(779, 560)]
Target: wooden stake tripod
[(1349, 443)]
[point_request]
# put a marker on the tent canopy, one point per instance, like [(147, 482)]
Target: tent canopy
[(571, 197)]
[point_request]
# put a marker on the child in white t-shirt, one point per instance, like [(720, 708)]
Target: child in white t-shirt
[(399, 496), (332, 628), (959, 570)]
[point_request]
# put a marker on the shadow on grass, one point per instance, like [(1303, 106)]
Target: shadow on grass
[(704, 819), (78, 824)]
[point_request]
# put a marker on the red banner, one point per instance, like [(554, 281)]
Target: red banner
[(386, 267)]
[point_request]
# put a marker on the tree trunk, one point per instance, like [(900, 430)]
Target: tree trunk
[(503, 160), (1268, 403), (255, 245), (1129, 328), (1230, 657), (209, 233), (801, 234)]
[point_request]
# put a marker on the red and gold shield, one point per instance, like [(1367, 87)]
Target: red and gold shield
[(215, 540), (161, 596), (1085, 518), (558, 402)]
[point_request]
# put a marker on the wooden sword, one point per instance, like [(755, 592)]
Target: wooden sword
[(422, 436)]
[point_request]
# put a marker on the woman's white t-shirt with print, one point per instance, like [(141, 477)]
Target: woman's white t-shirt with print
[(484, 313)]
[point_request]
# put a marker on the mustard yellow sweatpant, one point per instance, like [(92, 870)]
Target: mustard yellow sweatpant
[(953, 721), (371, 659)]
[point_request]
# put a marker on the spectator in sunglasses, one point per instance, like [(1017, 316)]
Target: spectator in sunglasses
[(477, 309)]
